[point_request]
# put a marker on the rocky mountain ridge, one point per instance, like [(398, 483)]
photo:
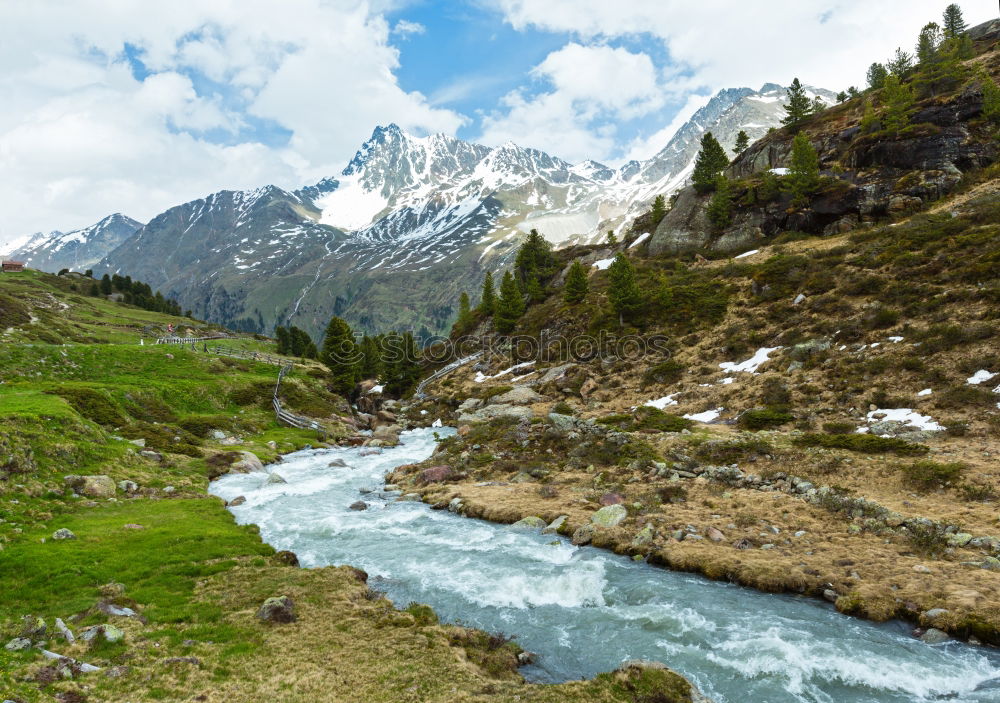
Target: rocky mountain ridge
[(78, 249)]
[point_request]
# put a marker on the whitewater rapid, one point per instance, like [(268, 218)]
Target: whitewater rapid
[(583, 610)]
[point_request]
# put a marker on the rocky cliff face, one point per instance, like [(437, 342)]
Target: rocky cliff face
[(866, 177)]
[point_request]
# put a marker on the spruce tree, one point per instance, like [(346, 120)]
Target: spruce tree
[(769, 188), (533, 288), (799, 106), (900, 64), (370, 365), (817, 106), (340, 356), (402, 363), (488, 302), (954, 23), (742, 142), (535, 258), (842, 97), (898, 100), (869, 120), (853, 92), (510, 305), (718, 206), (465, 319), (991, 99), (710, 163), (623, 291), (803, 173), (928, 42), (106, 285), (876, 75), (611, 239), (282, 336), (576, 283), (658, 211)]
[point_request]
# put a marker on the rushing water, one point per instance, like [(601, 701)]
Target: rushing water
[(583, 610)]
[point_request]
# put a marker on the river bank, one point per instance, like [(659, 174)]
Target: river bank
[(576, 607)]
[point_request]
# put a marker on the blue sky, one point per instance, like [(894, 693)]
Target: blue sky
[(135, 107)]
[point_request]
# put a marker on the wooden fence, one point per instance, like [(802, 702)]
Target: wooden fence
[(444, 371), (289, 418)]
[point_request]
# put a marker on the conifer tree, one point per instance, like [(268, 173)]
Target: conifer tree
[(510, 305), (282, 336), (954, 23), (718, 206), (623, 291), (803, 173), (991, 99), (576, 283), (340, 356), (487, 303), (900, 64), (106, 285), (817, 105), (370, 365), (898, 100), (869, 120), (465, 319), (842, 97), (853, 92), (876, 75), (533, 288), (769, 188), (611, 239), (742, 142), (799, 105), (401, 363), (928, 42), (535, 258), (710, 162), (658, 211)]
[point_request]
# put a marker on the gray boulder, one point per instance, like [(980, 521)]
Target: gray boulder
[(518, 395), (609, 516), (583, 534), (492, 412), (98, 486), (934, 636), (63, 533), (554, 526), (278, 609), (128, 486), (274, 478), (531, 522), (247, 463), (18, 644)]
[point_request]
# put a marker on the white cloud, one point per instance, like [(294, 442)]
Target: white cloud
[(80, 136), (730, 44), (405, 27), (591, 88)]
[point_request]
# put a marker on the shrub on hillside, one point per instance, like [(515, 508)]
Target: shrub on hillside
[(668, 371), (93, 404), (763, 418), (864, 443), (927, 474)]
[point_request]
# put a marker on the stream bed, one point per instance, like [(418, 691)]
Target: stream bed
[(583, 610)]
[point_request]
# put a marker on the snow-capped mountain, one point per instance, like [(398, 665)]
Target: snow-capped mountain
[(77, 250), (407, 225)]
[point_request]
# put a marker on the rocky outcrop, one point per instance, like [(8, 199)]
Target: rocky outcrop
[(867, 177), (99, 486)]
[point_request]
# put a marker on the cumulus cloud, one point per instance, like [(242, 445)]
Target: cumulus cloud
[(720, 43), (588, 90), (84, 132)]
